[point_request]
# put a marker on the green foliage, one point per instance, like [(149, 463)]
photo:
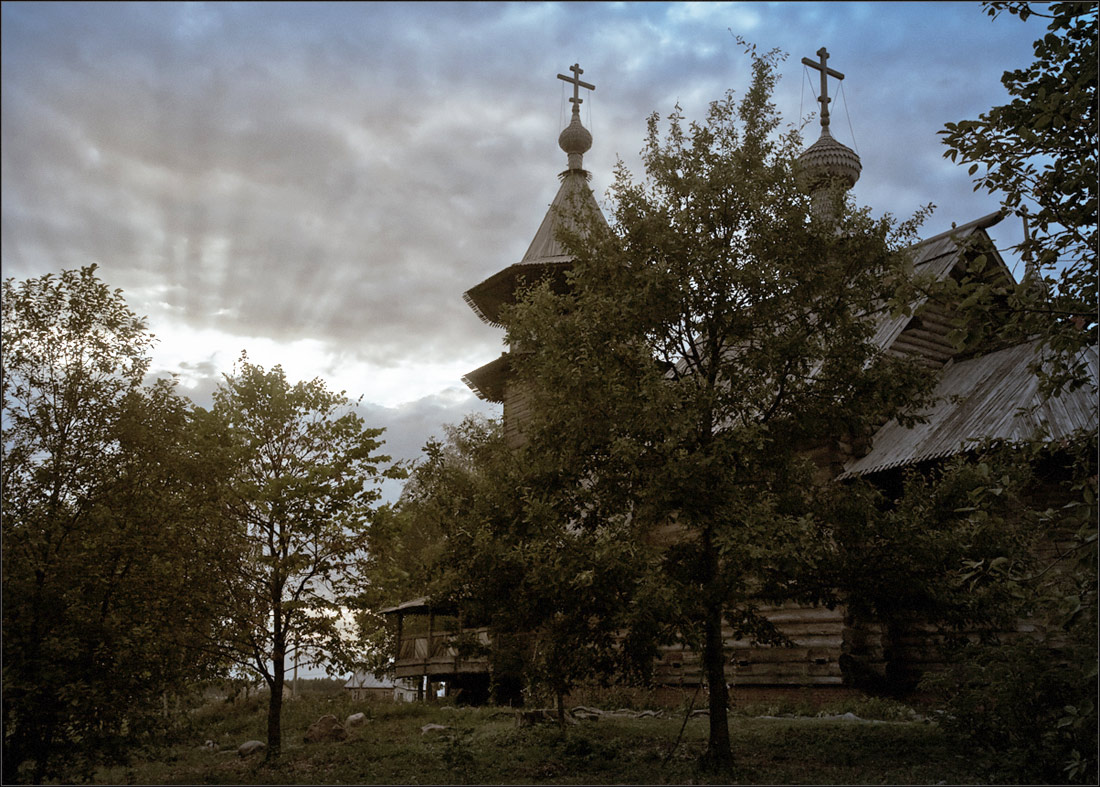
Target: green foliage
[(301, 478), (932, 551), (391, 750), (1027, 701), (112, 545), (1039, 152), (456, 754), (1027, 711), (474, 532), (1033, 702), (407, 542)]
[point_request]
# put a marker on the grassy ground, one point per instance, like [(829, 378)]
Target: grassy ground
[(484, 745)]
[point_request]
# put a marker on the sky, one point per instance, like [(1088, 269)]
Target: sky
[(317, 184)]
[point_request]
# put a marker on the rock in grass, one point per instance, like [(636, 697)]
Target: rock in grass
[(326, 728), (582, 712), (248, 748), (355, 720), (529, 718), (433, 728)]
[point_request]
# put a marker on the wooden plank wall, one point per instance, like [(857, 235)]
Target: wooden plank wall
[(925, 336), (813, 659), (517, 408)]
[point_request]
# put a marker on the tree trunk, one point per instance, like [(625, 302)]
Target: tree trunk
[(275, 705), (719, 756), (561, 709)]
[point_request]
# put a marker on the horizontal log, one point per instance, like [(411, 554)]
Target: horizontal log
[(828, 641), (784, 672), (809, 680), (929, 349), (800, 614), (939, 320)]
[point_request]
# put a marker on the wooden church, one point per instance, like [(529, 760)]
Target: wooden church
[(993, 395)]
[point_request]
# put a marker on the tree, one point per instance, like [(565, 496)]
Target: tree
[(714, 345), (561, 600), (111, 545), (1039, 153), (301, 492), (470, 530), (1026, 702)]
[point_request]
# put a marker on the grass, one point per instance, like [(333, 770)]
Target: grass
[(483, 745)]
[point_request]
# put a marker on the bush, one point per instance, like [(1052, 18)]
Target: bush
[(1030, 710)]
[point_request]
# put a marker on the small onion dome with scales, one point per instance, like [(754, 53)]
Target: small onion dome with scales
[(546, 260), (575, 140), (828, 161), (826, 164)]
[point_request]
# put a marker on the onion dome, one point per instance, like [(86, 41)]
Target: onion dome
[(575, 139), (828, 161)]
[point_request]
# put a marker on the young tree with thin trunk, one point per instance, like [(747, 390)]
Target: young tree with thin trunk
[(303, 475)]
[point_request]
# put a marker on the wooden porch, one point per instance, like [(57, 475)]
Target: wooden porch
[(436, 644)]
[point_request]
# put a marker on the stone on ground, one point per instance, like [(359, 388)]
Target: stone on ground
[(326, 728), (248, 748)]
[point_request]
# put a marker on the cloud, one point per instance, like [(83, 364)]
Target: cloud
[(319, 183)]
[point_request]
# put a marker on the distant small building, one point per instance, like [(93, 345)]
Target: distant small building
[(365, 686)]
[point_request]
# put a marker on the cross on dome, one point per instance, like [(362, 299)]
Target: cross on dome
[(575, 139), (575, 80), (826, 72)]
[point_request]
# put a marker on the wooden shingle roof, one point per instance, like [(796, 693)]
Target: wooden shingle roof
[(937, 256), (488, 381), (545, 256), (990, 397)]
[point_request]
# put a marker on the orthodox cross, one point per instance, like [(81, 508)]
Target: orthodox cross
[(576, 100), (826, 72)]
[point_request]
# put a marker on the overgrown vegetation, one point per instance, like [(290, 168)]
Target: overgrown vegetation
[(132, 522), (712, 342), (483, 745), (1029, 705), (1038, 155), (113, 549)]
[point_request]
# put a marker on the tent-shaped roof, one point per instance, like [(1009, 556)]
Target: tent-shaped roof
[(545, 256)]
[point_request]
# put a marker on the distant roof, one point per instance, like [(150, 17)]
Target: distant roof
[(367, 680), (416, 603), (994, 396)]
